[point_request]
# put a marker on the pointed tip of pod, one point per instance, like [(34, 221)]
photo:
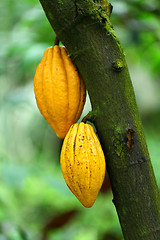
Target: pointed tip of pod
[(61, 135), (87, 203)]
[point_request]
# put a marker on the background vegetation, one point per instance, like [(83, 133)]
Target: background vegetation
[(35, 202)]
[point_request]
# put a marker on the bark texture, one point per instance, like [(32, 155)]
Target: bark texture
[(84, 28)]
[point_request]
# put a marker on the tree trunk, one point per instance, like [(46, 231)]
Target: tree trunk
[(84, 28)]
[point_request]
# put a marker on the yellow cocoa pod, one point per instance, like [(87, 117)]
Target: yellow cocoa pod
[(83, 163), (59, 91)]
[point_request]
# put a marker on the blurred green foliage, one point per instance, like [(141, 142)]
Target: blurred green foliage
[(32, 190)]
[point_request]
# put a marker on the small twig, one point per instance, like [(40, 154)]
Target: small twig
[(85, 119), (56, 41), (90, 116)]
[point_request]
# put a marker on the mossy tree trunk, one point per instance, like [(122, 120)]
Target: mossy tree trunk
[(84, 28)]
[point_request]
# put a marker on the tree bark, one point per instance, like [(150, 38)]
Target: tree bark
[(84, 27)]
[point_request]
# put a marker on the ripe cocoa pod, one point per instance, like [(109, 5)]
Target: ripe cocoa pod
[(83, 163), (59, 91)]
